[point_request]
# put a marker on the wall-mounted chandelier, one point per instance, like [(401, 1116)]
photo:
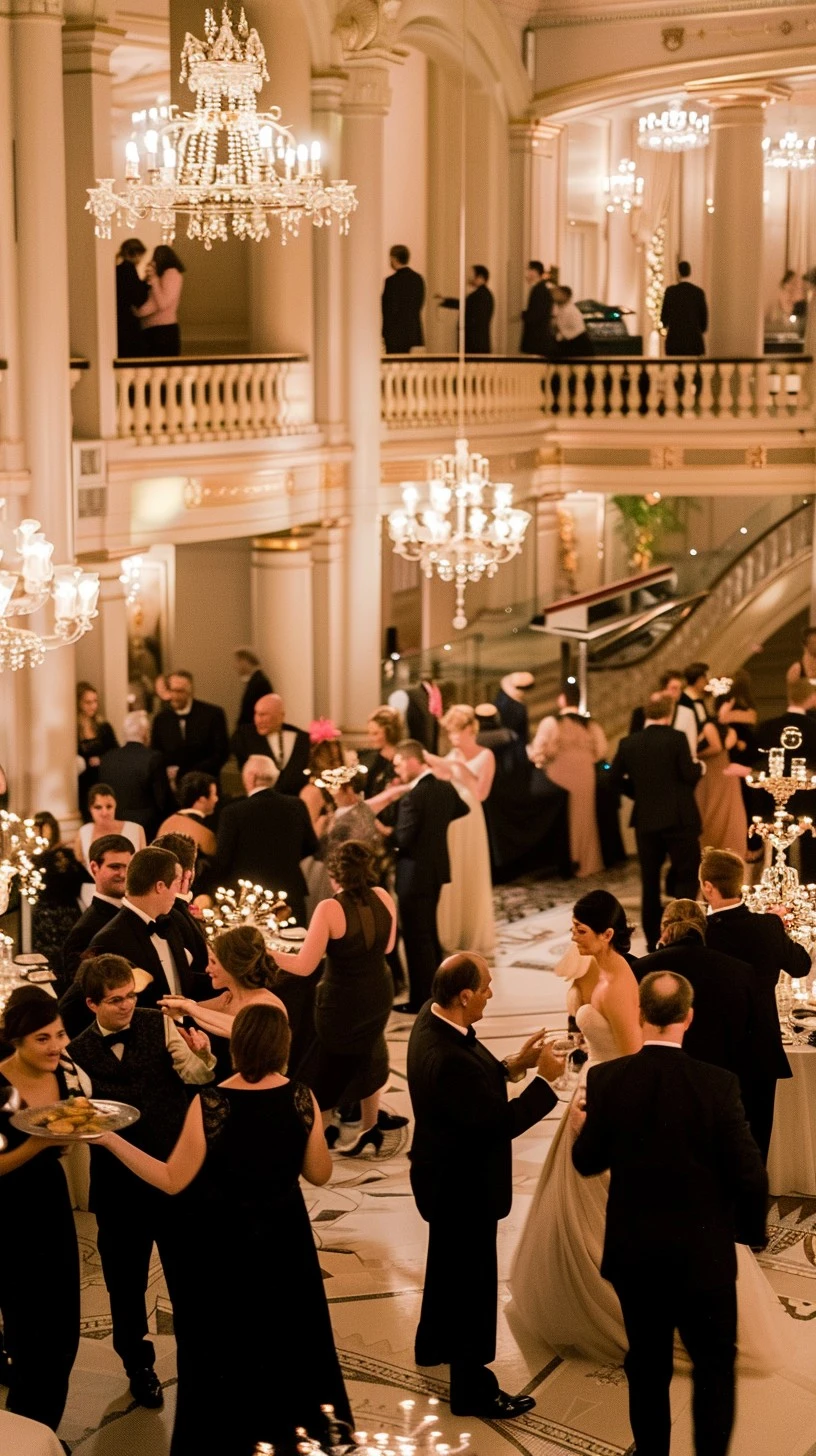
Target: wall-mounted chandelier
[(623, 191), (72, 592), (675, 129), (226, 166), (790, 152)]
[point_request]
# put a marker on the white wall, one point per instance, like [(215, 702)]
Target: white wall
[(212, 617), (405, 195)]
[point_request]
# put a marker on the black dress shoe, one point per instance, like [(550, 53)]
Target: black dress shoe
[(502, 1407), (146, 1389)]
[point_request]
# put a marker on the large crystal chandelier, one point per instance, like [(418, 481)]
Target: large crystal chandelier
[(674, 129), (624, 189), (225, 166), (790, 152), (29, 587)]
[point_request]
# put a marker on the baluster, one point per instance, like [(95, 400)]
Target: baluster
[(615, 401), (255, 399), (244, 412), (679, 389), (141, 384), (269, 415), (157, 402), (705, 398), (172, 403), (204, 401), (124, 402), (745, 392), (761, 393), (284, 406), (217, 402), (386, 394), (189, 418), (231, 417), (793, 388)]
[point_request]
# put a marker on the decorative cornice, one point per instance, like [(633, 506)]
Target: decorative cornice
[(43, 9), (595, 14), (528, 134)]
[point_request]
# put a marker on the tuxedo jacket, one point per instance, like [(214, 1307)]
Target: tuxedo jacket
[(686, 1178), (257, 686), (537, 335), (761, 940), (98, 914), (479, 306), (684, 315), (204, 745), (461, 1155), (263, 838), (419, 720), (420, 836), (137, 776), (127, 935), (403, 296), (725, 1002), (192, 933), (656, 769), (296, 748), (684, 719)]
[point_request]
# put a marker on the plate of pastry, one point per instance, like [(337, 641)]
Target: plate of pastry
[(76, 1119)]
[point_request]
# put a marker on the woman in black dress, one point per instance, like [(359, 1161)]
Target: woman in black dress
[(383, 731), (94, 737), (355, 930), (276, 1365), (39, 1265), (57, 908)]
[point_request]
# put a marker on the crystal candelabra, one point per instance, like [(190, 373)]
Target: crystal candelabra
[(465, 530), (252, 905), (225, 166), (30, 586), (780, 886), (19, 843)]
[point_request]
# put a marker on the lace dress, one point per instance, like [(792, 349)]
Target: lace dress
[(256, 1356)]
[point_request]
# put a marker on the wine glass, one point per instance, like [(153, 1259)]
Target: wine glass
[(567, 1044)]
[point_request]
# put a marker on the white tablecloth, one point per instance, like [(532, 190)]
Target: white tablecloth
[(792, 1157), (21, 1437)]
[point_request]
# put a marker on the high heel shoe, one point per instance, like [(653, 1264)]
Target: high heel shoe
[(331, 1134), (389, 1121), (371, 1137)]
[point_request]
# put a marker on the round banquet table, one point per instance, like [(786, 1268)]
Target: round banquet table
[(26, 1438), (792, 1155)]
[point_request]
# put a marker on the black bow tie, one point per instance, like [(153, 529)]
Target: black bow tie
[(159, 926), (118, 1037), (470, 1034)]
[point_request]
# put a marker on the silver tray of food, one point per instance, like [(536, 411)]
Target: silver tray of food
[(76, 1119)]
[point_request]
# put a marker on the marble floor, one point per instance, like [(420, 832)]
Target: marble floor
[(372, 1247)]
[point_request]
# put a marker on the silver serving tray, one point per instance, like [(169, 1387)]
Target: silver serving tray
[(117, 1115)]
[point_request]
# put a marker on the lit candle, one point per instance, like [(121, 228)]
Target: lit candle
[(776, 762), (798, 768)]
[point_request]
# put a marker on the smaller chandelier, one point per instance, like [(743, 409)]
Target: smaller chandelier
[(19, 843), (226, 166), (467, 528), (624, 189), (674, 130), (790, 152), (73, 592), (268, 910)]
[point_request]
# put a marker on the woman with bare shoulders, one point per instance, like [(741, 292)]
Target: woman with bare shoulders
[(465, 914)]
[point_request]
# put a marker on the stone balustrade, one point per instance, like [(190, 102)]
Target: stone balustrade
[(191, 399), (421, 390)]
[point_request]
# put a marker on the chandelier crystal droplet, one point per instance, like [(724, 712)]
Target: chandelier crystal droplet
[(226, 166)]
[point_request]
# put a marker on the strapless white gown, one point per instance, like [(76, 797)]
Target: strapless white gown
[(464, 918), (556, 1283)]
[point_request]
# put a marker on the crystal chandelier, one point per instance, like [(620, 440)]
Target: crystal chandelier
[(624, 189), (252, 905), (73, 592), (779, 886), (19, 843), (226, 165), (790, 151), (674, 130)]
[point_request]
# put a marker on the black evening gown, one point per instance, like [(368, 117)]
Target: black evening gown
[(87, 748), (131, 292), (39, 1279), (275, 1363), (57, 911)]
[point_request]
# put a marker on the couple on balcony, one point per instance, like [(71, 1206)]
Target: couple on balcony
[(147, 307)]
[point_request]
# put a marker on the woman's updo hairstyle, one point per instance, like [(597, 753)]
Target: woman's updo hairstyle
[(243, 954), (460, 716), (28, 1010), (353, 866), (601, 911)]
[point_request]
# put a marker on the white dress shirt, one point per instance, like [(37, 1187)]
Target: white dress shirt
[(189, 1065)]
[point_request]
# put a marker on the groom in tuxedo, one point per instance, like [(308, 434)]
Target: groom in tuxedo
[(687, 1184), (461, 1176)]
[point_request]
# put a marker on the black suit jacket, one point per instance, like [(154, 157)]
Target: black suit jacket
[(420, 836), (204, 746), (656, 769), (762, 942), (137, 776), (403, 296), (419, 720), (98, 914), (127, 935), (537, 335), (461, 1155), (686, 1178), (257, 686), (479, 306), (192, 933), (684, 315), (247, 740), (263, 839)]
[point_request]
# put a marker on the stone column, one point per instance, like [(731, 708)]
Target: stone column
[(536, 209), (621, 251), (365, 103), (735, 304), (283, 621), (327, 606), (92, 289), (102, 655), (49, 775), (329, 251), (9, 314)]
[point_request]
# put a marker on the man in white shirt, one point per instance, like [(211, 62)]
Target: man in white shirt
[(109, 858)]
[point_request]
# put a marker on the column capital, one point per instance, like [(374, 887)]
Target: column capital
[(368, 89), (748, 98), (327, 89), (528, 134), (87, 46)]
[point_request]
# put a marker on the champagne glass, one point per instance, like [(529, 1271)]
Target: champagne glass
[(567, 1044)]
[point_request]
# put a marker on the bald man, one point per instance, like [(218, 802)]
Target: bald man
[(269, 734)]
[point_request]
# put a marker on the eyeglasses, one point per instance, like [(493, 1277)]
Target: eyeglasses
[(119, 1000)]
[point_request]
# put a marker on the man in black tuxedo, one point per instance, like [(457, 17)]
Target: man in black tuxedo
[(420, 838), (108, 859), (403, 298), (189, 734), (672, 1133), (762, 942), (537, 333), (671, 684), (684, 314), (264, 837), (655, 768), (145, 933), (461, 1176), (269, 734), (801, 695), (256, 683), (190, 927), (137, 776), (479, 306)]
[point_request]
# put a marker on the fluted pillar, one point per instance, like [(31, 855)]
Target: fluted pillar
[(49, 776), (365, 104), (327, 606), (12, 442), (736, 231), (536, 209), (283, 620), (328, 253)]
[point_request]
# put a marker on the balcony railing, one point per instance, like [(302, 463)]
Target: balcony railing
[(191, 399), (421, 390)]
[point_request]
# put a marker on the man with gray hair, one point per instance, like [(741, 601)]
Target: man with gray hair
[(264, 837), (137, 776)]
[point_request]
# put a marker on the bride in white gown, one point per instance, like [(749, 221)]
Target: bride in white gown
[(465, 915), (556, 1283)]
